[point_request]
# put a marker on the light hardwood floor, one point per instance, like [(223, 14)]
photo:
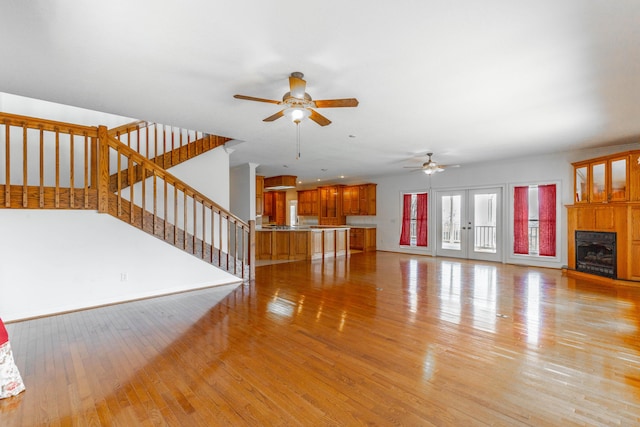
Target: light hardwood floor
[(375, 339)]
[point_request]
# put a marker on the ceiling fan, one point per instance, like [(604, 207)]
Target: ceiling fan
[(430, 167), (298, 104)]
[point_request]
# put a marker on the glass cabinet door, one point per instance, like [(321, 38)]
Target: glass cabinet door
[(618, 180), (581, 190), (598, 182)]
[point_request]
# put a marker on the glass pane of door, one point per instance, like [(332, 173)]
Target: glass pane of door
[(484, 223), (484, 229), (451, 222)]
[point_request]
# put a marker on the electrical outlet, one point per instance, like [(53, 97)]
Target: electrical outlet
[(123, 277)]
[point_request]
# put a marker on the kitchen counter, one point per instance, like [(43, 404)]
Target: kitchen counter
[(303, 242)]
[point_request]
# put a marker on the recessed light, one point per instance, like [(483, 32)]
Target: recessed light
[(342, 176)]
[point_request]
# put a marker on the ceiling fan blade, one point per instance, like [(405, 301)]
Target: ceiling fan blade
[(297, 86), (319, 118), (334, 103), (252, 98), (448, 166), (274, 116)]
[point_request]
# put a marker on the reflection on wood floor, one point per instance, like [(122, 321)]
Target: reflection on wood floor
[(378, 338)]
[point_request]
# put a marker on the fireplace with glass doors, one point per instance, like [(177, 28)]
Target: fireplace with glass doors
[(596, 253)]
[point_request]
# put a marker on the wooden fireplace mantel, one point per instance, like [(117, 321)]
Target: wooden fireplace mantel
[(612, 204)]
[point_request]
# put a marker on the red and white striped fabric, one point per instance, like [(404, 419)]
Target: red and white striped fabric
[(10, 379)]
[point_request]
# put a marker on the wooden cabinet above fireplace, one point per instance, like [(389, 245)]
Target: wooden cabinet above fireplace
[(614, 178), (607, 199)]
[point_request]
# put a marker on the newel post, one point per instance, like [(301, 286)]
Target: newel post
[(103, 170), (252, 249)]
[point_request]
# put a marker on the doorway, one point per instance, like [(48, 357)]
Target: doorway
[(469, 224)]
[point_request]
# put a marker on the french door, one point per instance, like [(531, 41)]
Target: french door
[(469, 224)]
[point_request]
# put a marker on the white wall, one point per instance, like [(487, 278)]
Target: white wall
[(54, 261), (243, 191), (23, 106), (208, 173)]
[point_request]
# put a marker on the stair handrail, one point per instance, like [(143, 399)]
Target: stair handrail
[(114, 143), (240, 247)]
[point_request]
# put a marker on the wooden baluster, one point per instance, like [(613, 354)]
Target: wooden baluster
[(130, 170), (100, 168), (204, 227), (228, 241), (188, 144), (180, 150), (57, 189), (71, 170), (195, 225), (7, 161), (172, 146), (146, 132), (252, 249), (164, 148), (166, 208), (220, 238), (184, 220), (24, 166), (41, 191), (156, 156), (119, 183), (144, 192), (175, 215), (155, 201), (138, 138), (213, 234), (86, 170)]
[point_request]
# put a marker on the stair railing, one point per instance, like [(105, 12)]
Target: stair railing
[(170, 209), (55, 165)]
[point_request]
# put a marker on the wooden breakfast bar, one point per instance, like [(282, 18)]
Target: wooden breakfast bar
[(301, 243)]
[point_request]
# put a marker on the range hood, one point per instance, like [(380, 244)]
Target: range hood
[(280, 182)]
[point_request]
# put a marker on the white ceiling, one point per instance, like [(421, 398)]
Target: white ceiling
[(469, 80)]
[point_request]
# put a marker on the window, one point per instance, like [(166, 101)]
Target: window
[(534, 220), (414, 220)]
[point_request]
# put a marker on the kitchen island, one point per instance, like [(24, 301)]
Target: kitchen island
[(300, 243)]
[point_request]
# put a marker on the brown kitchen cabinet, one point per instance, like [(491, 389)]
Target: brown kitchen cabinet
[(259, 194), (308, 202), (362, 239), (330, 209), (275, 206), (359, 199)]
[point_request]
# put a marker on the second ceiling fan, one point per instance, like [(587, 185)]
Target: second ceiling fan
[(298, 103), (430, 167)]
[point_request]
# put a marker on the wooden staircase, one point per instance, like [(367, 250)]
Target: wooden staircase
[(123, 172)]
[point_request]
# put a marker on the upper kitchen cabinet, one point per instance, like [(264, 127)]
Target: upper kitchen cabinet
[(359, 199)]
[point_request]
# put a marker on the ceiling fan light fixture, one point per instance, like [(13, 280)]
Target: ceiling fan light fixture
[(297, 114)]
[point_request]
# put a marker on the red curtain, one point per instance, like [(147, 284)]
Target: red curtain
[(547, 216), (521, 220), (405, 235), (421, 221)]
